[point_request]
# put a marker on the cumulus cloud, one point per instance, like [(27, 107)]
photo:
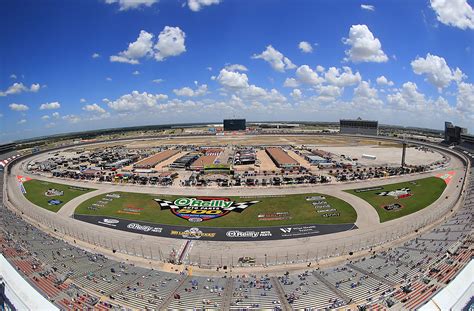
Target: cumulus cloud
[(232, 79), (136, 73), (95, 55), (296, 94), (135, 101), (131, 4), (71, 118), (50, 106), (307, 75), (170, 43), (157, 81), (382, 80), (367, 7), (275, 58), (436, 70), (18, 88), (236, 67), (18, 107), (189, 92), (465, 98), (22, 121), (141, 47), (82, 100), (45, 117), (305, 47), (366, 97), (93, 108), (13, 76), (456, 13), (197, 5), (364, 47), (291, 82), (408, 98), (56, 115), (342, 79)]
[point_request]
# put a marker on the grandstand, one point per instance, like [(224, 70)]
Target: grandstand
[(359, 126)]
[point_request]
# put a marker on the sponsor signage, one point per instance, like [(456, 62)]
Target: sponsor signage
[(393, 207), (53, 193), (398, 193), (203, 208), (214, 233), (54, 202), (274, 216)]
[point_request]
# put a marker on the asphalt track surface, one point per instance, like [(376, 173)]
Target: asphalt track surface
[(369, 232)]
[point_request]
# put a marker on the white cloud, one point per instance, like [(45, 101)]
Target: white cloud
[(366, 98), (158, 81), (22, 121), (382, 80), (436, 70), (50, 125), (35, 87), (364, 47), (142, 47), (196, 5), (95, 55), (465, 99), (236, 67), (136, 73), (71, 118), (45, 117), (305, 47), (170, 43), (329, 91), (296, 94), (18, 107), (50, 106), (232, 79), (132, 4), (55, 115), (320, 68), (291, 82), (367, 7), (408, 98), (13, 76), (135, 101), (82, 100), (108, 79), (308, 76), (276, 59), (346, 78), (93, 108), (18, 88), (457, 13), (189, 92)]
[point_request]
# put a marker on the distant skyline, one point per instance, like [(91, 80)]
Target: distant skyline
[(70, 66)]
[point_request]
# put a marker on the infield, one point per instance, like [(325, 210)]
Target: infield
[(221, 212), (401, 199), (51, 196)]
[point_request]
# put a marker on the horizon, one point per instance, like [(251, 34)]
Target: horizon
[(79, 66)]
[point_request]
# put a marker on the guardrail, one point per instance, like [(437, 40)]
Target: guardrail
[(150, 249)]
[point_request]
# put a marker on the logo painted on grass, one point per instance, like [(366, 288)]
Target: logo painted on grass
[(447, 177), (393, 207), (398, 193), (203, 208), (54, 202)]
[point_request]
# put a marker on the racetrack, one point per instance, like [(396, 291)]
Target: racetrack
[(370, 231)]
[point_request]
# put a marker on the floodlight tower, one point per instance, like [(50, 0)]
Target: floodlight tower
[(404, 150)]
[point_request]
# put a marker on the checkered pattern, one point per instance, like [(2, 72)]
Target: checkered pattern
[(240, 207), (236, 207), (165, 204)]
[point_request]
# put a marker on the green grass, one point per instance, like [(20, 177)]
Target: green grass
[(300, 211), (424, 192), (35, 193)]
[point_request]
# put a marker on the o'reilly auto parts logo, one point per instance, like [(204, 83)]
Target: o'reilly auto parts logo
[(203, 208), (109, 222)]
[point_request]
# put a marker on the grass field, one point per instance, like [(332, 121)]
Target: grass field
[(424, 192), (35, 192), (298, 208)]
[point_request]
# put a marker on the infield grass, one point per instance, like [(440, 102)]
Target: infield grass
[(424, 192), (298, 208), (36, 189)]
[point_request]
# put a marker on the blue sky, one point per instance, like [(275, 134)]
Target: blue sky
[(69, 66)]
